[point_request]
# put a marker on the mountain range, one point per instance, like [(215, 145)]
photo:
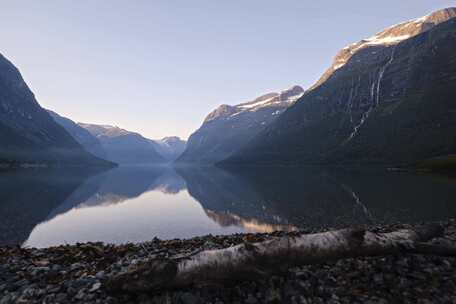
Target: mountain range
[(33, 136), (170, 148), (227, 128), (124, 147), (81, 135), (121, 146), (386, 100), (28, 133)]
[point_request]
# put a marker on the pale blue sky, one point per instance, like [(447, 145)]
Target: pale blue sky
[(159, 67)]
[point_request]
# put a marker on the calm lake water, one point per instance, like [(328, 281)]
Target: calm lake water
[(41, 208)]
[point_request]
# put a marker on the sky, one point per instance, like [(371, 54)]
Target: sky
[(159, 67)]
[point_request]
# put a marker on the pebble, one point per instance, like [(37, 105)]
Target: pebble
[(95, 287), (76, 274)]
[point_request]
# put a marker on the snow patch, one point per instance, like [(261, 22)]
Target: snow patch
[(338, 66), (386, 40), (256, 104), (292, 99), (386, 37)]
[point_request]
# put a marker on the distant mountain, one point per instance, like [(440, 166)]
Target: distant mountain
[(170, 147), (28, 134), (124, 147), (387, 100), (81, 135), (228, 128)]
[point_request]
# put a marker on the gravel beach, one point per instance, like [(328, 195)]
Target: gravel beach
[(78, 273)]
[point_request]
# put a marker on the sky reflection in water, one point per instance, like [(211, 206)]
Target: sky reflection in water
[(41, 208)]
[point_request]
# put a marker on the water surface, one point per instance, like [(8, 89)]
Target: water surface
[(43, 208)]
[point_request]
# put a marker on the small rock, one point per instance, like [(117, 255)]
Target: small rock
[(80, 295), (100, 274), (251, 299), (95, 287), (189, 298)]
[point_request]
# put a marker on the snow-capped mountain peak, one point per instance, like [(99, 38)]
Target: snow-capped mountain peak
[(390, 36), (284, 99), (405, 30), (287, 96), (104, 130)]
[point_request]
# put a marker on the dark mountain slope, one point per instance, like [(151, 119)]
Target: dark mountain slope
[(28, 134), (228, 128), (81, 135), (389, 101), (125, 147)]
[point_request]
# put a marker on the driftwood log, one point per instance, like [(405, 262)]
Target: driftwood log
[(247, 260)]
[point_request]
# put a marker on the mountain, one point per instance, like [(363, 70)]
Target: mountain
[(28, 134), (81, 135), (124, 147), (386, 100), (170, 148), (228, 128)]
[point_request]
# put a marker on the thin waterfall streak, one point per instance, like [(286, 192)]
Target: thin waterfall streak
[(372, 90), (364, 116), (374, 97), (355, 93), (350, 98), (382, 72)]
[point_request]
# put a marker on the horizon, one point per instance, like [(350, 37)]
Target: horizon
[(323, 143), (170, 59)]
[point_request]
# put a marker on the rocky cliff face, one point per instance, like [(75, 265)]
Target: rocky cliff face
[(391, 36), (228, 128), (386, 100), (124, 147), (28, 134)]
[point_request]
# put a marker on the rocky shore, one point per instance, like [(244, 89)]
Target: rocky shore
[(78, 274)]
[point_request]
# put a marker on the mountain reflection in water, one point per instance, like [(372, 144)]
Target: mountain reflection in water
[(131, 204)]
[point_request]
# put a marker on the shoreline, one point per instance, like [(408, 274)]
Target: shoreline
[(78, 273)]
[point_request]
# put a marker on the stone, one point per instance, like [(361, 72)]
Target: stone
[(189, 298), (95, 287), (251, 299)]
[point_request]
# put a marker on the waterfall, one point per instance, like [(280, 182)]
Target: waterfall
[(374, 97), (382, 72), (350, 98)]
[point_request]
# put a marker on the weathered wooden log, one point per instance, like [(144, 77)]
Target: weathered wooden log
[(433, 249), (247, 260)]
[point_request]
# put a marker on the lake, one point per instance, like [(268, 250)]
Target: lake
[(41, 208)]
